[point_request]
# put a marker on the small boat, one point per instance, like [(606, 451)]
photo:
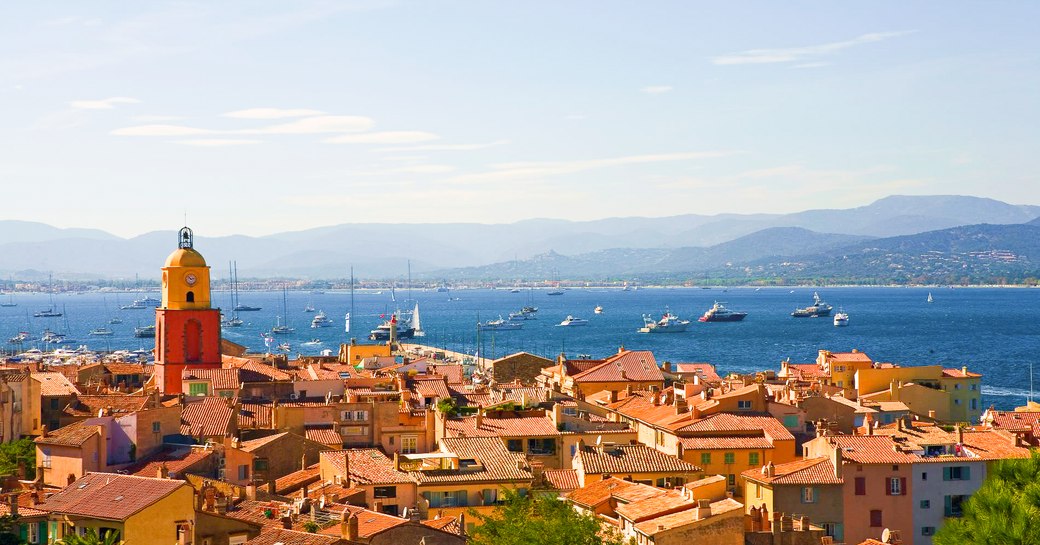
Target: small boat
[(284, 347), (382, 333), (598, 310), (526, 313), (101, 331), (442, 289), (321, 320), (281, 329), (669, 323), (571, 321), (841, 319), (51, 337), (627, 287), (234, 321), (21, 337), (930, 300), (514, 290), (500, 324), (142, 304), (719, 313), (116, 321), (245, 308), (308, 309), (9, 302), (555, 291), (312, 342), (144, 331), (47, 313), (817, 309)]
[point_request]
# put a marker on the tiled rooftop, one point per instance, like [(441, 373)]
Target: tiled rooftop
[(367, 466), (623, 459), (522, 426), (110, 496), (805, 471)]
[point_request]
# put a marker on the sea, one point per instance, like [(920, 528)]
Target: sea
[(993, 331)]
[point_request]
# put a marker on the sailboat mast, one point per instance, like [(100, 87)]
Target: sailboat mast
[(351, 313)]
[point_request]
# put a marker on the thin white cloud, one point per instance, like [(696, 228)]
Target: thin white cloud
[(575, 117), (536, 170), (216, 142), (444, 147), (426, 169), (657, 89), (154, 118), (316, 125), (103, 104), (160, 130), (271, 113), (797, 54), (811, 65), (384, 137)]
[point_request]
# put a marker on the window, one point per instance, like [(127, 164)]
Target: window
[(924, 475), (926, 504), (791, 421), (156, 427), (361, 415), (957, 473), (659, 437), (191, 297), (808, 494), (744, 405), (835, 530), (385, 491), (758, 490), (731, 479), (752, 459), (238, 539), (928, 530), (489, 496), (515, 445), (541, 446), (46, 462), (861, 486), (956, 402), (875, 518), (895, 486), (34, 532), (729, 458), (243, 472), (974, 403), (972, 387), (409, 444), (457, 498), (705, 458), (54, 403), (953, 507), (198, 389)]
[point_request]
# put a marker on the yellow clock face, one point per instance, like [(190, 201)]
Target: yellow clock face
[(190, 278)]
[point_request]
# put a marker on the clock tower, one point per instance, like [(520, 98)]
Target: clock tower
[(187, 328)]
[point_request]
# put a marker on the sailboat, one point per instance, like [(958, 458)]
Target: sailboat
[(280, 328), (416, 326), (347, 320), (9, 302), (930, 300), (239, 307), (234, 320)]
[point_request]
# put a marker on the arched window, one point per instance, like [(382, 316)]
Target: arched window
[(191, 297), (193, 341)]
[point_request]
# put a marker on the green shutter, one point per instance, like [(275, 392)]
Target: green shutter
[(753, 459), (946, 476), (966, 474), (947, 505)]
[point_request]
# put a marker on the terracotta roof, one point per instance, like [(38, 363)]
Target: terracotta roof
[(656, 506), (640, 406), (452, 370), (430, 387), (1016, 421), (627, 366), (125, 368), (73, 435), (600, 491), (563, 480), (849, 356), (729, 422), (447, 524), (280, 536), (522, 426), (297, 479), (110, 496), (871, 449), (54, 384), (324, 434), (90, 405), (629, 459), (991, 445), (705, 370), (805, 371), (959, 373), (178, 460), (494, 463), (255, 414), (209, 416), (254, 371), (805, 471), (725, 443), (253, 444), (219, 379), (684, 518), (23, 511), (367, 466), (370, 522)]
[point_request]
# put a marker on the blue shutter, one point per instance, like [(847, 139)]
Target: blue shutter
[(946, 473), (966, 473)]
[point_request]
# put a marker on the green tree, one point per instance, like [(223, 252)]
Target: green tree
[(1004, 511), (9, 531), (522, 520), (91, 537), (22, 450)]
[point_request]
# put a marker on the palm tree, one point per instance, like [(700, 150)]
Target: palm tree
[(1004, 511), (91, 537)]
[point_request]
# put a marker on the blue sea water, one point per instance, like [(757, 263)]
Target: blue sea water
[(993, 331)]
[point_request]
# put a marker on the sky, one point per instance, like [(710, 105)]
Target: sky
[(257, 117)]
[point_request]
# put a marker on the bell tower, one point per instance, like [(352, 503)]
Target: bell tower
[(187, 328)]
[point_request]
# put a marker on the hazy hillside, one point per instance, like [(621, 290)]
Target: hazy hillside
[(686, 242)]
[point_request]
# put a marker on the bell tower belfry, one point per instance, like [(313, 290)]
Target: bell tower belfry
[(187, 328)]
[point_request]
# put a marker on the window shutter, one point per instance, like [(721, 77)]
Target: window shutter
[(888, 487), (902, 486), (966, 473), (861, 486), (946, 473)]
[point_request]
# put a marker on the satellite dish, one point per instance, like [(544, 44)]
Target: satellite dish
[(886, 535)]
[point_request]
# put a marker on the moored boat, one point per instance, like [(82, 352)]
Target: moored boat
[(669, 323), (500, 324), (841, 319), (571, 321), (817, 309), (719, 313)]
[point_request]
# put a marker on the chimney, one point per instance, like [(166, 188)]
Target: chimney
[(348, 526), (251, 491), (776, 525), (893, 537), (803, 524), (769, 470), (479, 419), (703, 509), (931, 414), (43, 430), (12, 502), (964, 370), (960, 435), (163, 472), (538, 471), (287, 522), (271, 487), (837, 458), (826, 540)]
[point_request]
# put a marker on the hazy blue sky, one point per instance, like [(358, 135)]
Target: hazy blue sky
[(257, 117)]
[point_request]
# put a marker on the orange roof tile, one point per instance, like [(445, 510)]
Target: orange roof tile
[(297, 479), (366, 465), (73, 435), (871, 449), (805, 471), (623, 459), (656, 506), (626, 366), (177, 460), (281, 536), (686, 517), (522, 426), (324, 434), (958, 373), (110, 496), (600, 491), (209, 416), (54, 384), (370, 523), (562, 479)]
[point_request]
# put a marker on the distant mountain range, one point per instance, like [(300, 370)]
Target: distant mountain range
[(614, 247)]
